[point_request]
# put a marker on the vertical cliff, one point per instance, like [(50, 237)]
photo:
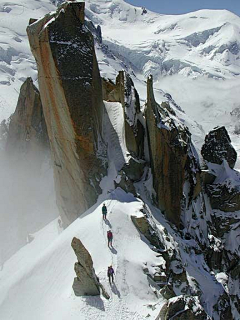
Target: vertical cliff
[(169, 143), (71, 93)]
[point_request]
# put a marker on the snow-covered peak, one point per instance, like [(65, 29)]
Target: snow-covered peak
[(118, 11), (197, 43)]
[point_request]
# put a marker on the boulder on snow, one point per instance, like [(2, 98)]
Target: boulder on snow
[(86, 283), (71, 94), (217, 147)]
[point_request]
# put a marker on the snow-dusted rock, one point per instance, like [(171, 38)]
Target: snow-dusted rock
[(224, 187), (184, 307), (169, 144), (134, 169), (217, 147)]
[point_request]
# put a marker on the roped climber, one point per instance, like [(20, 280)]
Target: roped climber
[(110, 274), (110, 238), (104, 211)]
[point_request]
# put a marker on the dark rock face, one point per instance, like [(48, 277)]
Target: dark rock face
[(222, 185), (27, 130), (71, 93), (187, 299), (222, 255), (217, 147), (96, 32), (125, 183), (134, 169), (169, 145), (107, 87), (86, 283), (223, 197)]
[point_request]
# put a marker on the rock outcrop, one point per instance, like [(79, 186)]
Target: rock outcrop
[(71, 94), (86, 283), (217, 147), (222, 183), (169, 144), (182, 308), (27, 132), (175, 279), (222, 256), (125, 93)]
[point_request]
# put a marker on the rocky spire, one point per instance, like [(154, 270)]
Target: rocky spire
[(27, 131), (169, 143), (71, 93)]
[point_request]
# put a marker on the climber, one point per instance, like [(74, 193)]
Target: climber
[(110, 237), (110, 274), (104, 211)]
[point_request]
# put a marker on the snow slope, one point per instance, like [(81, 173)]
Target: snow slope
[(43, 287)]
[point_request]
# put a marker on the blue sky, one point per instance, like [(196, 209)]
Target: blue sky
[(183, 6)]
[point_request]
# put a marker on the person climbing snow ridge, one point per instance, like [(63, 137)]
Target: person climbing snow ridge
[(104, 211), (110, 238), (110, 274)]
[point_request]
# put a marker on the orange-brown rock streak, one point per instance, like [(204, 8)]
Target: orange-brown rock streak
[(71, 93), (169, 145)]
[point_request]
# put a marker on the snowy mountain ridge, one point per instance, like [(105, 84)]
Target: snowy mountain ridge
[(176, 227), (194, 57), (194, 44)]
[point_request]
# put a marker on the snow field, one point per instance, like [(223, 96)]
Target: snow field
[(41, 286)]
